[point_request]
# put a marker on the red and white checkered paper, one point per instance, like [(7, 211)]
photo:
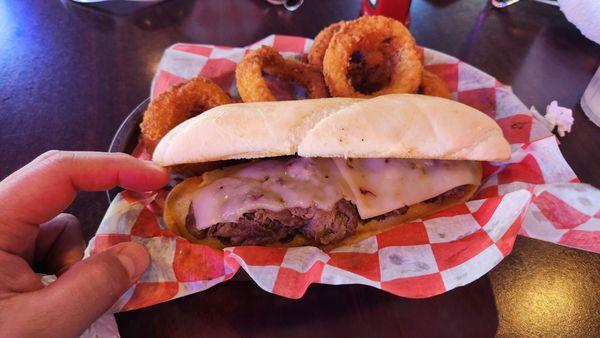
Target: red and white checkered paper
[(535, 194)]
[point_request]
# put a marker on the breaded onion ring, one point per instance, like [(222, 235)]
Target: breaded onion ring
[(319, 46), (178, 104), (433, 85), (252, 85), (363, 36)]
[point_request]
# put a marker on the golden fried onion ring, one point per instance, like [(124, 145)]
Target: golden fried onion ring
[(433, 85), (365, 35), (178, 104), (252, 86), (319, 46)]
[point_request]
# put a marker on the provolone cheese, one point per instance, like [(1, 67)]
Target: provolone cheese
[(267, 184), (375, 186), (381, 185)]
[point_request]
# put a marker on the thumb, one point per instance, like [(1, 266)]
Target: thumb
[(89, 288)]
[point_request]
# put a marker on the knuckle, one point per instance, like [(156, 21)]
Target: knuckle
[(56, 158), (69, 219), (50, 154), (122, 156), (16, 275)]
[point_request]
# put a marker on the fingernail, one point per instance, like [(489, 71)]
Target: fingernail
[(134, 259), (155, 166)]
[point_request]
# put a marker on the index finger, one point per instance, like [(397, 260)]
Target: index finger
[(46, 186)]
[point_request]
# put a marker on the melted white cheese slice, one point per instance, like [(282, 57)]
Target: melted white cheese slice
[(375, 186), (267, 184), (381, 185)]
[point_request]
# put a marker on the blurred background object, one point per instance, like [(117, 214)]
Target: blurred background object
[(585, 15), (506, 3), (126, 6), (119, 7), (290, 5), (590, 101), (396, 9)]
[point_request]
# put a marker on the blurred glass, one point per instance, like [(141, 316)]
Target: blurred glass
[(590, 101)]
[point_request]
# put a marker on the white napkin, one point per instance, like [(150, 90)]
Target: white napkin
[(561, 117), (585, 15), (556, 117)]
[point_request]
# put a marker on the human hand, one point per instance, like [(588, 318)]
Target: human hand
[(33, 232)]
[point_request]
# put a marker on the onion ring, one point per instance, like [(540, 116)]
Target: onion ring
[(252, 85), (178, 104), (365, 35), (319, 46), (433, 85)]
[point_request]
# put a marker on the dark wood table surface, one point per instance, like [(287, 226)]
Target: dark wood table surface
[(70, 74)]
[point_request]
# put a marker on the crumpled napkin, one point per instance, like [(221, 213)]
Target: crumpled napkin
[(556, 117)]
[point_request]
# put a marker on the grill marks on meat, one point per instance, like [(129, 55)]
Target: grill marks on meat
[(265, 226), (323, 227)]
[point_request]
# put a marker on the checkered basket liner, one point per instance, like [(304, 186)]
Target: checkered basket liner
[(535, 194)]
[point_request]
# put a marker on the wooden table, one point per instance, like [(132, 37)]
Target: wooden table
[(70, 74)]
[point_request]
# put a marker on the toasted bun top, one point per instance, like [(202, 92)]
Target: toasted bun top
[(395, 126)]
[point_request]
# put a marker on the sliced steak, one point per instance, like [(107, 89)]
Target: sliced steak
[(323, 227), (256, 228), (263, 226), (326, 227)]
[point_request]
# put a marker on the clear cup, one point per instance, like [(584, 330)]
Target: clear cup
[(590, 101)]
